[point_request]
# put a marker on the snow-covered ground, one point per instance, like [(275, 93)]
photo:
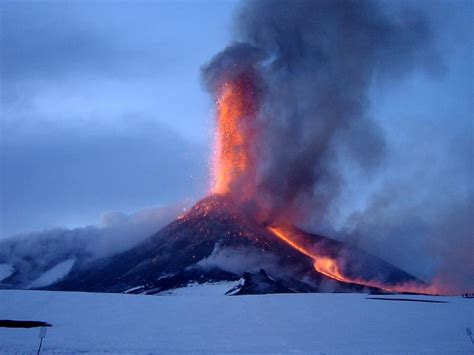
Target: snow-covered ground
[(203, 324)]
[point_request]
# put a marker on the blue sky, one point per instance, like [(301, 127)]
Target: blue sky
[(102, 109)]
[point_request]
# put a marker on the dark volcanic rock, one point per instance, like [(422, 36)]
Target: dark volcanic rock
[(258, 284), (212, 222), (183, 279)]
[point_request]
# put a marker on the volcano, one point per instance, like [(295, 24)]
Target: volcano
[(216, 241), (245, 229)]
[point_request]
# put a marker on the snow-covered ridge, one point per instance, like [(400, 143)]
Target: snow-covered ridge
[(54, 274), (5, 271)]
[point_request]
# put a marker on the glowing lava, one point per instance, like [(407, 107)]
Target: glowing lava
[(331, 267), (322, 264), (233, 160)]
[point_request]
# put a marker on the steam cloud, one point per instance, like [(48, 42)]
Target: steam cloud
[(314, 63), (247, 260)]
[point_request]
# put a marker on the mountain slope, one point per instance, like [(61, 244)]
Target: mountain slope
[(212, 224), (216, 241)]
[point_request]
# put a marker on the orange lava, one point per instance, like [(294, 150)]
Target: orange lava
[(280, 233), (233, 161), (322, 264), (330, 267)]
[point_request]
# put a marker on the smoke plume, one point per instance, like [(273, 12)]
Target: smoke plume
[(313, 62)]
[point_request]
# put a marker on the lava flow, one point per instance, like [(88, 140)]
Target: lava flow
[(332, 268), (323, 264)]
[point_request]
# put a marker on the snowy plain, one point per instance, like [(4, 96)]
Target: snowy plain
[(195, 321)]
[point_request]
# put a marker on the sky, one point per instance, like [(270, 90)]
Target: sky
[(103, 109)]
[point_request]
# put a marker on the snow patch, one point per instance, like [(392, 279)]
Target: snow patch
[(6, 270), (165, 276), (54, 274), (136, 288), (236, 288), (204, 289)]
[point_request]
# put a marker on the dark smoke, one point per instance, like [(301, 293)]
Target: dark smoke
[(315, 62), (230, 64), (430, 237)]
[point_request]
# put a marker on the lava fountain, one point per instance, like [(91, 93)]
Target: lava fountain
[(233, 165)]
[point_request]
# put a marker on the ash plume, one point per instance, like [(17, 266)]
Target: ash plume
[(315, 62)]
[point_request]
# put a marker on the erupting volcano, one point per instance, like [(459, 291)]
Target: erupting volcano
[(234, 176), (291, 97), (234, 232), (223, 237)]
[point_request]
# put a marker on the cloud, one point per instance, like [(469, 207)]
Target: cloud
[(99, 115), (49, 43), (31, 254), (62, 176)]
